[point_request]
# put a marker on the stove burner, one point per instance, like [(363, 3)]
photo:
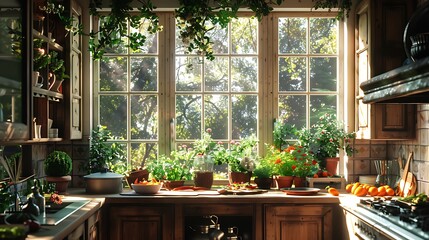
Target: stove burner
[(417, 216)]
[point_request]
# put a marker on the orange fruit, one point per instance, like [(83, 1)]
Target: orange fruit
[(349, 187), (390, 192), (315, 175), (373, 191), (333, 191), (355, 186), (381, 191), (360, 191)]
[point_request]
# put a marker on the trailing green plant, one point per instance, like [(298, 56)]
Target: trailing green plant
[(195, 18), (114, 25), (57, 164), (56, 66), (56, 7), (104, 155), (343, 6), (41, 59)]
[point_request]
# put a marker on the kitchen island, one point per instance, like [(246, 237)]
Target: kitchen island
[(176, 215)]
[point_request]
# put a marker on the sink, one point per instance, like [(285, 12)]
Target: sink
[(55, 215)]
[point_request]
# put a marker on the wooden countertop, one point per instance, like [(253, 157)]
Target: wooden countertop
[(64, 228)]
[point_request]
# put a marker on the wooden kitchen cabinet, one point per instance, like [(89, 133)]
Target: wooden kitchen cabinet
[(155, 222), (298, 222), (379, 48)]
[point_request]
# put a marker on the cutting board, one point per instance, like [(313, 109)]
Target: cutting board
[(408, 184)]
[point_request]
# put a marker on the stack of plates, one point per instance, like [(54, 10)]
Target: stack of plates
[(368, 179)]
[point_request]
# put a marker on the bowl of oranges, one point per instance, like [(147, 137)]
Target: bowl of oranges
[(146, 187)]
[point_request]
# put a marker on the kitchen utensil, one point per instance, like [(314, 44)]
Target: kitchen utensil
[(407, 186), (387, 172), (103, 183)]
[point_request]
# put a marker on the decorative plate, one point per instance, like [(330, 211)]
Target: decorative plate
[(301, 191)]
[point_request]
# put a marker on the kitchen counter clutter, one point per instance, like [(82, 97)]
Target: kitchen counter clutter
[(178, 215)]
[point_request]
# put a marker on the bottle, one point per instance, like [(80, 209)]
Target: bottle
[(201, 234), (215, 233), (31, 208), (39, 200), (231, 234)]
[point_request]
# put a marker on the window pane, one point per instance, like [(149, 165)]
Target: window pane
[(113, 74), (113, 114), (292, 35), (244, 35), (323, 74), (323, 35), (219, 37), (216, 115), (216, 74), (151, 40), (292, 74), (144, 117), (141, 152), (188, 78), (322, 104), (188, 116), (244, 115), (244, 73), (144, 73), (292, 110), (117, 49)]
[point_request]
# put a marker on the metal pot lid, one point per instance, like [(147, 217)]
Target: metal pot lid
[(103, 175)]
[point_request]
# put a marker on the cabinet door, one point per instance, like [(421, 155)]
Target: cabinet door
[(298, 222), (379, 48), (138, 222)]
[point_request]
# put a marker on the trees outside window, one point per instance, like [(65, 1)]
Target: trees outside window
[(158, 97)]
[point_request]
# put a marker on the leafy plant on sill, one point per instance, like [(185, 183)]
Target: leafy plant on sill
[(103, 155), (40, 58)]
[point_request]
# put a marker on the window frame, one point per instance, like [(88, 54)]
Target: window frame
[(267, 78)]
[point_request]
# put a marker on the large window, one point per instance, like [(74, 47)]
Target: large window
[(308, 74), (159, 96)]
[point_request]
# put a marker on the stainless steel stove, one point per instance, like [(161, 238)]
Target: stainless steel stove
[(376, 219)]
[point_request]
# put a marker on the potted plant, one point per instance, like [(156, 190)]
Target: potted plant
[(203, 160), (172, 170), (325, 139), (263, 174), (58, 166), (305, 164), (104, 156), (282, 164), (240, 158), (56, 71)]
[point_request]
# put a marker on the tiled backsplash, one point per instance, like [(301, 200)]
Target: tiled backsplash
[(362, 163)]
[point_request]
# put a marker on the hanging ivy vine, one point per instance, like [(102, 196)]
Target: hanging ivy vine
[(194, 18)]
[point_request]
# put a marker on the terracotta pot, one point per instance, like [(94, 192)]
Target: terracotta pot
[(203, 179), (170, 185), (300, 181), (331, 165), (61, 183), (138, 174), (239, 177), (264, 183), (284, 181)]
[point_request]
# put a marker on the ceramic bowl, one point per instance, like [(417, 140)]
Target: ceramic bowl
[(146, 189)]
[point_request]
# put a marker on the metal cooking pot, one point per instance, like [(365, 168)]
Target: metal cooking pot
[(104, 183)]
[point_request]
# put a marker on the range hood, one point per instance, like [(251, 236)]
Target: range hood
[(407, 84)]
